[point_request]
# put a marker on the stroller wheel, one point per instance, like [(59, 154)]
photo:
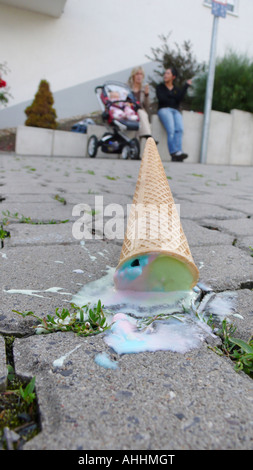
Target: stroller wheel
[(92, 146), (126, 152), (135, 149)]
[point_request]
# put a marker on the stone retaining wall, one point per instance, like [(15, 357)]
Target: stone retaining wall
[(38, 141), (230, 139)]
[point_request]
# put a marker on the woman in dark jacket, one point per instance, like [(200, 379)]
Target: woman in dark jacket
[(169, 97)]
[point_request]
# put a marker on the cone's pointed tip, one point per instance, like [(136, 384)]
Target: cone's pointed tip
[(150, 146), (150, 141)]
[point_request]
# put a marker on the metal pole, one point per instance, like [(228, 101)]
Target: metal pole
[(209, 92)]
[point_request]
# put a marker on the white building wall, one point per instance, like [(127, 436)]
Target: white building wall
[(104, 37)]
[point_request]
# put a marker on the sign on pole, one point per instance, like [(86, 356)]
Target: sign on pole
[(219, 8)]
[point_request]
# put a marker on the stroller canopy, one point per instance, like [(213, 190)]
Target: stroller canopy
[(123, 90)]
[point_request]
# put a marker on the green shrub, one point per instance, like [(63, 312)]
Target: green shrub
[(41, 112), (233, 85)]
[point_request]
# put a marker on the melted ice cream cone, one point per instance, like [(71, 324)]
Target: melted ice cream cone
[(155, 255)]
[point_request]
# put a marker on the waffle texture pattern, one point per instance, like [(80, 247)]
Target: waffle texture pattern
[(154, 224)]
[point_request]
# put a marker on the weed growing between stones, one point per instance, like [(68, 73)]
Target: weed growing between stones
[(61, 199), (239, 351), (27, 220), (19, 416), (83, 321), (3, 234), (113, 178)]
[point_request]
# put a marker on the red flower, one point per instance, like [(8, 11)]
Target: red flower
[(2, 83)]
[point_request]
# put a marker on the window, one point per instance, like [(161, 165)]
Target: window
[(232, 6)]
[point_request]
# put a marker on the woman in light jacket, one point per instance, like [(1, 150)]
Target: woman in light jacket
[(141, 94)]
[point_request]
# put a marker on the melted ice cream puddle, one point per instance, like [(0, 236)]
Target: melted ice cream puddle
[(136, 303), (125, 337), (128, 334)]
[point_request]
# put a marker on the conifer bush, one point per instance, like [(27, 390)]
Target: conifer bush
[(41, 112)]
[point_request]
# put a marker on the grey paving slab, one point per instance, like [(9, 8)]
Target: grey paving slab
[(3, 367), (233, 204), (196, 211), (245, 243), (197, 235), (94, 198), (28, 234), (152, 401), (240, 227), (23, 199), (29, 273), (46, 212), (221, 187), (241, 302), (223, 267)]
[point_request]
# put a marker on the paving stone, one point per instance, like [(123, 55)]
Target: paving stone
[(3, 365), (49, 234), (198, 236), (233, 204), (167, 401), (32, 270), (240, 227), (223, 267), (242, 317), (245, 243), (191, 210)]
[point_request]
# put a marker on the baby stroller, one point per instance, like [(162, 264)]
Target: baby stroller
[(120, 112)]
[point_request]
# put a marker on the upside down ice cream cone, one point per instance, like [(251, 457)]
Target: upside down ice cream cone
[(155, 255)]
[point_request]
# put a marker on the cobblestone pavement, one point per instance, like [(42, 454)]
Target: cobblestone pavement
[(159, 400)]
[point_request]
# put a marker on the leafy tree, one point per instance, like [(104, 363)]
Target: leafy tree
[(180, 57), (233, 85), (41, 112)]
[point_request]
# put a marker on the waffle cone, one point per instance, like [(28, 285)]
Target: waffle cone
[(153, 224)]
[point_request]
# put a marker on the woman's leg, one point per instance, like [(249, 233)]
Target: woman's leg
[(167, 119), (144, 125), (179, 129)]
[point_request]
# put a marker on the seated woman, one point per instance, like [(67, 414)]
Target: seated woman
[(141, 94), (169, 97)]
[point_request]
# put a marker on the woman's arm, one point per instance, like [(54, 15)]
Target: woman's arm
[(146, 100)]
